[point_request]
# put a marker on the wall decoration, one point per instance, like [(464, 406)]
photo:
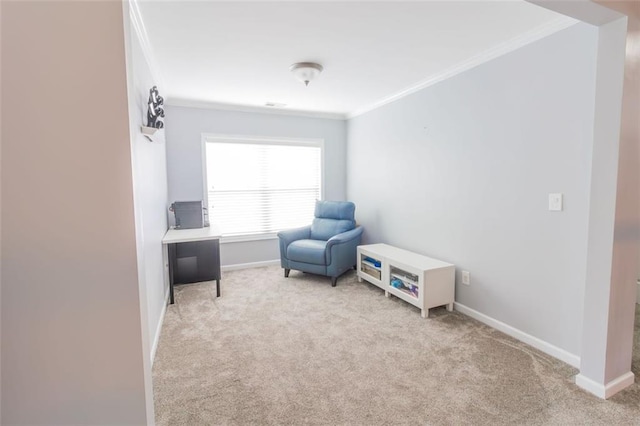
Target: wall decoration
[(155, 112)]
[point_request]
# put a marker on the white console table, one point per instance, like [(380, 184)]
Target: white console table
[(419, 280)]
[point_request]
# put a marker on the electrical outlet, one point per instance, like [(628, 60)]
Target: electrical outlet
[(555, 202), (466, 278)]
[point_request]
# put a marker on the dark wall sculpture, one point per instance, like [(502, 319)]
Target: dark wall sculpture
[(155, 110)]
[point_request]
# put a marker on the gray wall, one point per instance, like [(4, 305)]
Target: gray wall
[(461, 171), (184, 129), (150, 188), (72, 350)]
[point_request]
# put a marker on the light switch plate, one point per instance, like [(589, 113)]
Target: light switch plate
[(555, 202)]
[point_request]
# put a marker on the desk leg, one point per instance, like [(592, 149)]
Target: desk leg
[(165, 266), (218, 288), (171, 248)]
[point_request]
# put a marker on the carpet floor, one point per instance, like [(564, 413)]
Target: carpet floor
[(292, 351)]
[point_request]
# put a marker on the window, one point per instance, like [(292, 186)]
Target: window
[(258, 187)]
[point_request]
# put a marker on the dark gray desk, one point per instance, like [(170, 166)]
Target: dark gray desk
[(189, 244)]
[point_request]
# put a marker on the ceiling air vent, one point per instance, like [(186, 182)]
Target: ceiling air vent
[(275, 105)]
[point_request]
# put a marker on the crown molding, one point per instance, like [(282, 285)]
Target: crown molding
[(192, 103), (137, 23), (501, 49)]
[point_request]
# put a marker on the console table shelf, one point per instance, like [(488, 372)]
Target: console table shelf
[(419, 280)]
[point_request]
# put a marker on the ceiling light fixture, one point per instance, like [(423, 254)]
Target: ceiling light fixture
[(306, 71)]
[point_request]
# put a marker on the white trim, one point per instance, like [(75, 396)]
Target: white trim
[(247, 238), (608, 390), (501, 49), (546, 347), (638, 293), (271, 140), (192, 103), (205, 182), (250, 265), (138, 26), (156, 339)]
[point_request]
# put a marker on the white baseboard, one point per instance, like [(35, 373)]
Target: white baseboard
[(156, 339), (546, 347), (250, 265), (608, 390)]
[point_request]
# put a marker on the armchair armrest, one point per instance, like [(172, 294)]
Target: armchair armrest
[(288, 236), (341, 249), (344, 237)]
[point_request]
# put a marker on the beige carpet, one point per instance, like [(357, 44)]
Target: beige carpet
[(275, 350)]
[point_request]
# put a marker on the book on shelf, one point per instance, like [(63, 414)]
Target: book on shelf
[(371, 264)]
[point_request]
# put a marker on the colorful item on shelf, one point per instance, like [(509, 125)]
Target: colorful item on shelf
[(395, 282), (404, 286), (373, 261)]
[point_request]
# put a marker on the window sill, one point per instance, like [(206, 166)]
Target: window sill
[(247, 238)]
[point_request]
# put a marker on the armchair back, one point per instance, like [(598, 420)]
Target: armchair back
[(332, 218)]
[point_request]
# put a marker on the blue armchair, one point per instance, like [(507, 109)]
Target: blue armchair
[(327, 246)]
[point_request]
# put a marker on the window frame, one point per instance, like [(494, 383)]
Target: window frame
[(254, 140)]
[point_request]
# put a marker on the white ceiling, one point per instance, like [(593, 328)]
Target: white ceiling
[(239, 53)]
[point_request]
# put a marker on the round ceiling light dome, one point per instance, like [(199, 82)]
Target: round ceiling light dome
[(306, 71)]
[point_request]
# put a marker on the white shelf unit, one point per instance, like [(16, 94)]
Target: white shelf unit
[(419, 280)]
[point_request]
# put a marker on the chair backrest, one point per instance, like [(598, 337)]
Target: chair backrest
[(332, 218)]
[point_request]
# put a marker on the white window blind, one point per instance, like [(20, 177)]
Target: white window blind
[(262, 187)]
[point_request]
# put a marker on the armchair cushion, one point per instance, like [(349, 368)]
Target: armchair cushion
[(307, 251), (332, 218), (340, 210)]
